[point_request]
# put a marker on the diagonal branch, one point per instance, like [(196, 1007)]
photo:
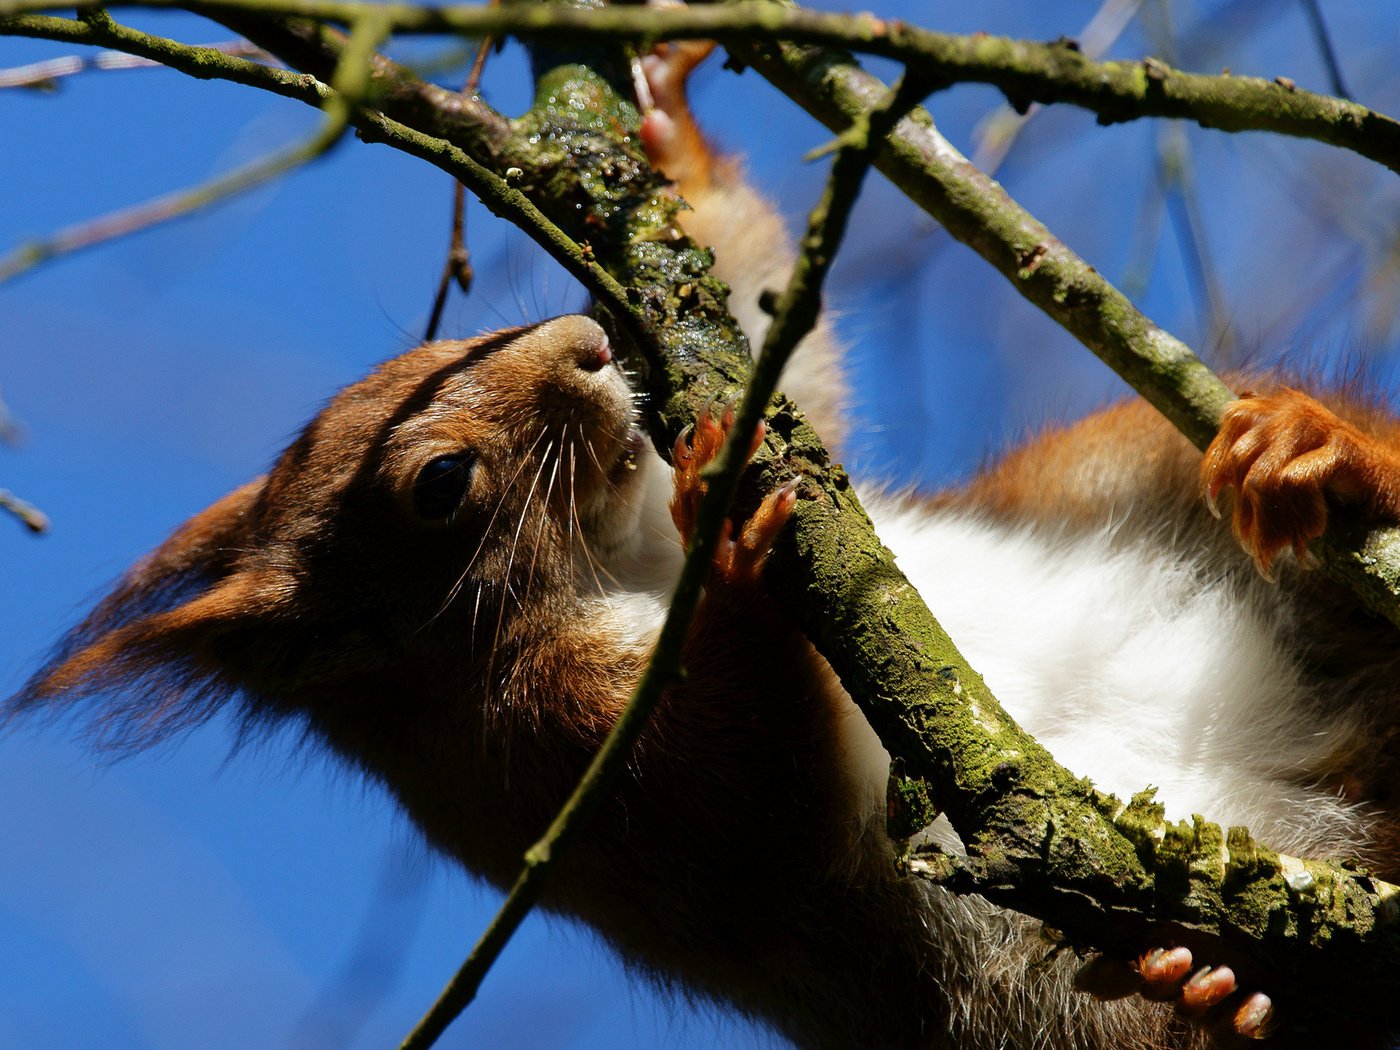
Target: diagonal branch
[(485, 128), (796, 315), (45, 75), (978, 212), (1025, 71), (204, 63)]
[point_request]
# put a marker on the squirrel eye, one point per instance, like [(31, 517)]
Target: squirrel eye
[(441, 484)]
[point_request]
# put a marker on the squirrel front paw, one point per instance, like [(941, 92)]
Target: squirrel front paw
[(1289, 460), (741, 551)]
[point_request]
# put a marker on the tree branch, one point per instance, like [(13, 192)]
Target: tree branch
[(45, 75), (978, 212), (313, 47), (458, 264), (204, 63), (1024, 71), (500, 197), (795, 316)]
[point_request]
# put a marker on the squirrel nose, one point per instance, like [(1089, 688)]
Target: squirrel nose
[(595, 354)]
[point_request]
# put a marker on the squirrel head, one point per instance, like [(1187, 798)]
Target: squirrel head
[(428, 517)]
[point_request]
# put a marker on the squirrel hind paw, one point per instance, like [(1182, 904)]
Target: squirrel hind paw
[(1208, 996), (672, 139)]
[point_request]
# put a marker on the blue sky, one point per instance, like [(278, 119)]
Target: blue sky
[(191, 896)]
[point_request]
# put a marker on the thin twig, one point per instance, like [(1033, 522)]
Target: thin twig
[(462, 137), (458, 265), (1325, 49), (1025, 71), (44, 76), (183, 202), (203, 63), (998, 132), (30, 516), (795, 316), (1176, 175), (166, 208), (496, 193)]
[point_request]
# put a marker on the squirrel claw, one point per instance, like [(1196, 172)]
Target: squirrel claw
[(1289, 462), (1207, 987), (740, 553), (740, 561), (1208, 996), (1254, 1017)]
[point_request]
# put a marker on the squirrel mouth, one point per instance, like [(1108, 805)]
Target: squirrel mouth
[(633, 445)]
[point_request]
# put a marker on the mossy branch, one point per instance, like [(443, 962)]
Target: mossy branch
[(204, 63), (976, 210), (795, 316), (495, 191), (1040, 840), (1025, 71)]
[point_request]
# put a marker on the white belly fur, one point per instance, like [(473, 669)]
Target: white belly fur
[(1133, 668)]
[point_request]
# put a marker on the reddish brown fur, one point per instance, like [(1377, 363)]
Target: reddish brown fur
[(1288, 458), (314, 594)]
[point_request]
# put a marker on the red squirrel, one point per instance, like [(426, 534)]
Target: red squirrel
[(454, 576)]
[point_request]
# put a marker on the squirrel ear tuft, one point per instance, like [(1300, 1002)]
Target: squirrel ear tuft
[(157, 648)]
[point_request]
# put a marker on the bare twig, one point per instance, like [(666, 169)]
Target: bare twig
[(1176, 174), (998, 132), (1325, 49), (201, 62), (458, 265), (44, 76), (349, 84), (30, 516), (184, 202)]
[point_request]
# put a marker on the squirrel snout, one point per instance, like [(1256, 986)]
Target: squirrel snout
[(574, 340), (596, 355)]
